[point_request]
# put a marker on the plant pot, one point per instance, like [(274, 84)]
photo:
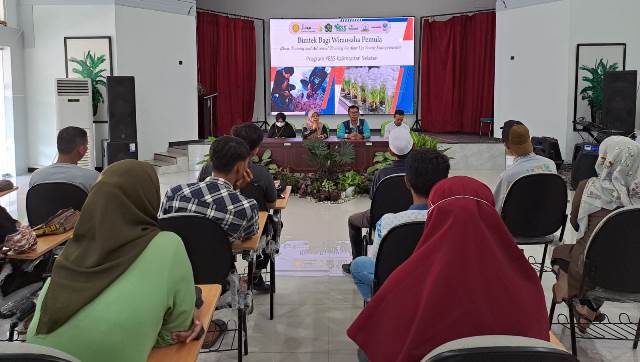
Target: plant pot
[(334, 196)]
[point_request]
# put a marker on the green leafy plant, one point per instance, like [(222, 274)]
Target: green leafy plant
[(289, 179), (266, 161), (327, 186), (205, 158), (89, 69), (593, 93), (424, 141), (329, 158), (350, 179), (380, 161)]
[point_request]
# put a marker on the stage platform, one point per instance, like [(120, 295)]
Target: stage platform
[(468, 152)]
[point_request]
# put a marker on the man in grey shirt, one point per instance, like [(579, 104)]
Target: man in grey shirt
[(518, 144), (72, 145)]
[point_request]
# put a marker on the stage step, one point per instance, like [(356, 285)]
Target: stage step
[(175, 159)]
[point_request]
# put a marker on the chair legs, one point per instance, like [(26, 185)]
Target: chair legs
[(544, 259), (240, 339), (572, 324), (635, 341)]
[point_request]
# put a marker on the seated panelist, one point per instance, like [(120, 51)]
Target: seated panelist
[(355, 128)]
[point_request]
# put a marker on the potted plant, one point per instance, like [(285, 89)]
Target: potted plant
[(329, 158), (266, 161), (593, 92), (89, 69)]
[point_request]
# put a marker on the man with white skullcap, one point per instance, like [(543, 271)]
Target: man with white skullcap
[(400, 145)]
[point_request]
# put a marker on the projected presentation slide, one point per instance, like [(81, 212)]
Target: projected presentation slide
[(330, 64)]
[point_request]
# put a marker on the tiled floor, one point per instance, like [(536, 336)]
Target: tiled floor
[(312, 313)]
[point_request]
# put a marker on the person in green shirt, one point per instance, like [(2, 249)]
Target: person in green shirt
[(121, 286)]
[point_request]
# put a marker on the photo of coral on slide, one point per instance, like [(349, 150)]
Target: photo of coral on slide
[(298, 89)]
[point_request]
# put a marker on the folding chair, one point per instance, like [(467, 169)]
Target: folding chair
[(534, 209), (499, 349), (25, 352), (396, 247), (611, 272), (391, 196), (46, 199)]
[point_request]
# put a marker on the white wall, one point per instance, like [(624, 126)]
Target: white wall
[(150, 44), (532, 86), (267, 9), (538, 87), (45, 62)]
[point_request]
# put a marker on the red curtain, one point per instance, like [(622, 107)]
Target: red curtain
[(458, 72), (227, 66)]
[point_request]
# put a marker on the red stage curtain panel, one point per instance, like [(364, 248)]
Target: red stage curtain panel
[(458, 72), (227, 66)]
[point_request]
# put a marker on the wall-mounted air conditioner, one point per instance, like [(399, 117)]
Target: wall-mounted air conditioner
[(74, 108)]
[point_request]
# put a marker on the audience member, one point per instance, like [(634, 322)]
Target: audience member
[(400, 145), (398, 123), (425, 168), (281, 128), (217, 197), (617, 185), (517, 142), (314, 129), (465, 278), (121, 286), (72, 146), (261, 189), (355, 128)]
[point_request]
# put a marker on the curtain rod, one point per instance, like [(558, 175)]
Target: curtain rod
[(229, 14), (460, 13)]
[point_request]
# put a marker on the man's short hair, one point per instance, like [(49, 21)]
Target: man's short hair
[(352, 107), (225, 153), (288, 70), (70, 138), (506, 128), (250, 133), (398, 112), (281, 116), (425, 168)]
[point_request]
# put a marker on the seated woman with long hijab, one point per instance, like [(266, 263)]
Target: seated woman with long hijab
[(121, 286), (617, 186), (314, 129), (465, 278)]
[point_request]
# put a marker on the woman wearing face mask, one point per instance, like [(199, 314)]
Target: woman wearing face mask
[(281, 128), (314, 129)]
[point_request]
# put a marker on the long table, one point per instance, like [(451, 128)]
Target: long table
[(290, 152)]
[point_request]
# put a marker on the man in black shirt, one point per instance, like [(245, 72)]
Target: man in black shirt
[(400, 145)]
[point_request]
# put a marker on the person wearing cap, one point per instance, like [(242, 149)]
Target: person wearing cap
[(398, 123), (400, 145), (281, 128), (517, 142), (425, 168)]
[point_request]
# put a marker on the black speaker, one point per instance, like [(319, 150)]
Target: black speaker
[(121, 96), (548, 147), (619, 101), (121, 150), (585, 156)]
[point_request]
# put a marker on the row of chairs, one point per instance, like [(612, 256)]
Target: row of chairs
[(534, 210)]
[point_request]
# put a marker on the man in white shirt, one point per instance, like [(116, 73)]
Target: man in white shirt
[(517, 141), (425, 167), (398, 122), (72, 145)]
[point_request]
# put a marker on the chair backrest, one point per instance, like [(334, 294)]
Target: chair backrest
[(46, 199), (25, 352), (535, 205), (395, 247), (253, 191), (207, 245), (611, 260), (391, 196), (499, 349)]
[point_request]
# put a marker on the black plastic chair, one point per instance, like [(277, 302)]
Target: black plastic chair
[(611, 270), (499, 349), (534, 209), (391, 196), (395, 247), (25, 352), (46, 199), (207, 245)]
